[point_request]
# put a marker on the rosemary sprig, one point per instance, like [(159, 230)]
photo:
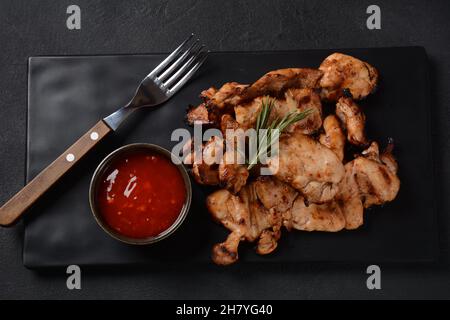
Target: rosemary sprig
[(263, 116), (274, 128)]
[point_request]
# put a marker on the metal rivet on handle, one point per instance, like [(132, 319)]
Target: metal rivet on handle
[(94, 136)]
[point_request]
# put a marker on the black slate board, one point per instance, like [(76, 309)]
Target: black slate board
[(67, 95)]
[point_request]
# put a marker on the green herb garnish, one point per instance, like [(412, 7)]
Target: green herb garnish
[(274, 128)]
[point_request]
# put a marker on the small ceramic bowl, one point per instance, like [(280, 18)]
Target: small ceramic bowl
[(104, 165)]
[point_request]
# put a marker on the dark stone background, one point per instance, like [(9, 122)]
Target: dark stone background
[(29, 28)]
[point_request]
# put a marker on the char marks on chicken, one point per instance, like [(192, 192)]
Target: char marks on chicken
[(333, 136), (353, 120), (308, 166), (344, 75)]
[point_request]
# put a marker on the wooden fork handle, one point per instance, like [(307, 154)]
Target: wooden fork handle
[(25, 198)]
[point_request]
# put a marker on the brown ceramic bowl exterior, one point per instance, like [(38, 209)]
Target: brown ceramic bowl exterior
[(104, 166)]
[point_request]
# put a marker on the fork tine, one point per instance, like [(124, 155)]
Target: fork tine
[(178, 62), (189, 74), (183, 68), (167, 60)]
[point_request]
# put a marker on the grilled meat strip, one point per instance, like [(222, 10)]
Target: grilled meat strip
[(308, 166), (275, 83), (344, 75), (353, 120)]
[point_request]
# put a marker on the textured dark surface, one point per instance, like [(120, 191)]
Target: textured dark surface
[(67, 95), (110, 27)]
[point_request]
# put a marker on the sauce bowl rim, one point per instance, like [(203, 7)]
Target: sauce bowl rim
[(103, 165)]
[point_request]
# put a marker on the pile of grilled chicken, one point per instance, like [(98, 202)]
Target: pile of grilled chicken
[(315, 187)]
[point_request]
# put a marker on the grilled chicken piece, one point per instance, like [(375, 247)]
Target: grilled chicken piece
[(294, 100), (232, 213), (353, 120), (344, 75), (388, 158), (187, 153), (226, 253), (268, 241), (208, 94), (213, 151), (198, 115), (232, 176), (274, 194), (349, 199), (247, 219), (276, 82), (224, 100), (353, 211), (232, 94), (216, 103), (264, 225), (308, 166), (301, 100), (215, 169), (207, 171), (369, 180), (377, 180), (246, 114), (315, 217), (206, 174), (346, 211), (262, 207), (273, 83), (227, 122), (333, 138)]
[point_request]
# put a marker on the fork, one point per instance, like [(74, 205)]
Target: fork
[(155, 89)]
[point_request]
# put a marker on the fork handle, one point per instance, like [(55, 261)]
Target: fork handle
[(25, 198)]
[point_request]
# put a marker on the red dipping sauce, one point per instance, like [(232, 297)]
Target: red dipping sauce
[(141, 194)]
